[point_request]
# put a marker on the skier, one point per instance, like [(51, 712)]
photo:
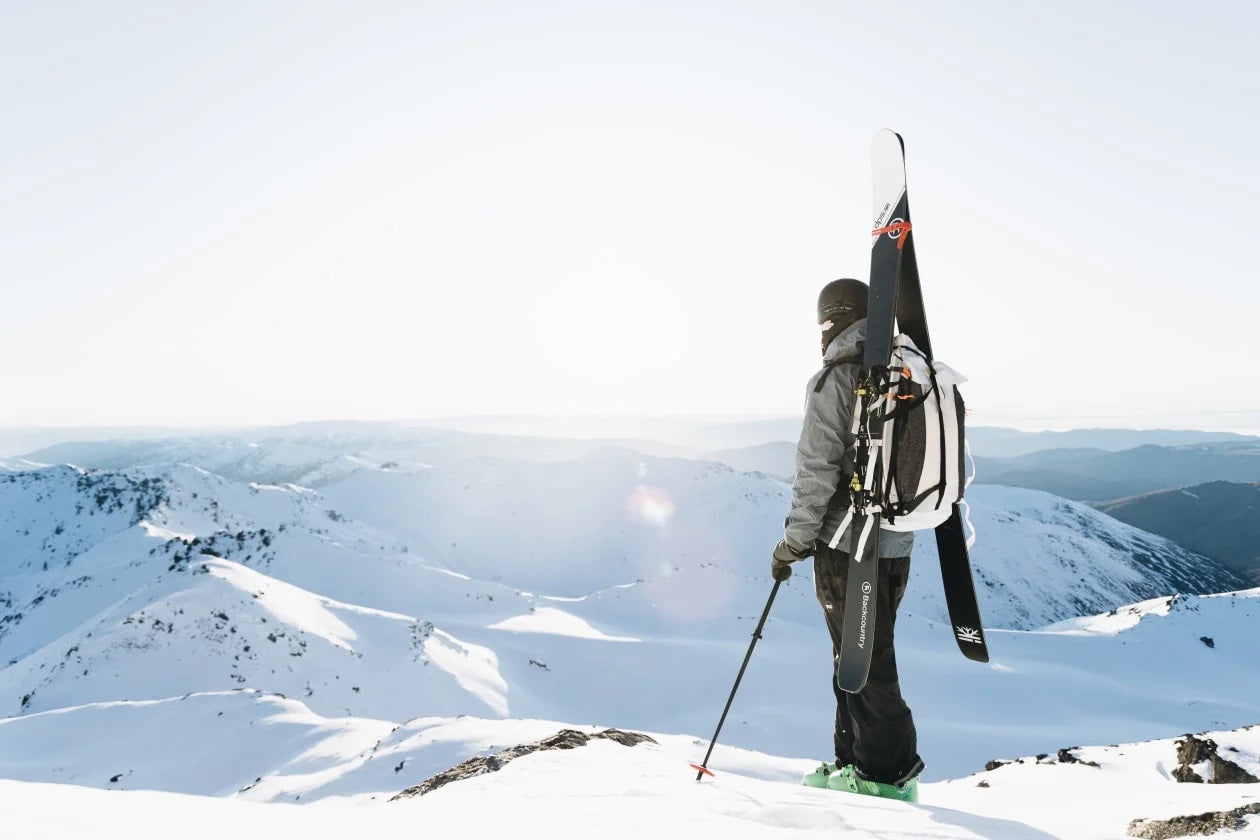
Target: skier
[(875, 740)]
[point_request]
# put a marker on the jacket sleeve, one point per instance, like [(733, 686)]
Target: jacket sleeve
[(821, 462)]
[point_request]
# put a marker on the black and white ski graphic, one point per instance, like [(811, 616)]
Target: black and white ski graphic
[(896, 299), (892, 220), (951, 535)]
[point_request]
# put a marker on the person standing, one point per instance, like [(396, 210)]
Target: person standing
[(876, 744)]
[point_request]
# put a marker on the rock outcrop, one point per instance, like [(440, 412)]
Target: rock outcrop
[(565, 739)]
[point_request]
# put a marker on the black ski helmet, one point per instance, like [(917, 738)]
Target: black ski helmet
[(840, 303)]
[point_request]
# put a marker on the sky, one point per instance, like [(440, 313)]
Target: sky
[(243, 213)]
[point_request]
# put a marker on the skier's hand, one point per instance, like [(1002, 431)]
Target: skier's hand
[(782, 558)]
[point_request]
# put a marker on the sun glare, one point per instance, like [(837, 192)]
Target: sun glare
[(651, 505)]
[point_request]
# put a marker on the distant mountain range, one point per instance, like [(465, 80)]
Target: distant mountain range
[(680, 434), (996, 442), (316, 454), (1097, 466), (1094, 475), (1083, 474), (1220, 519)]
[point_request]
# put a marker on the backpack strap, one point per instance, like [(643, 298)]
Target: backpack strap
[(826, 371), (832, 365)]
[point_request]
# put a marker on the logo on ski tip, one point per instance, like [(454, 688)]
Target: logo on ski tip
[(968, 634), (866, 588), (895, 229)]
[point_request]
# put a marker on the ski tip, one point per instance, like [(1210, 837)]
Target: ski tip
[(701, 770), (889, 134)]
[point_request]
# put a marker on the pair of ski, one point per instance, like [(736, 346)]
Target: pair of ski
[(896, 299)]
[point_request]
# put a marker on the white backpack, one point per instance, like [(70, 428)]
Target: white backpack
[(924, 464)]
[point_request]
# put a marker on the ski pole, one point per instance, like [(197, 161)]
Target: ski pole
[(702, 767)]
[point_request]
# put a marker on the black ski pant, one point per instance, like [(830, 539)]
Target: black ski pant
[(874, 728)]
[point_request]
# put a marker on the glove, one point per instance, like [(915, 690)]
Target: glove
[(782, 558)]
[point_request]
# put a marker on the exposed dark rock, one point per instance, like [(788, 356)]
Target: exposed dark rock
[(1226, 772), (1192, 750), (1197, 825), (1066, 757), (565, 739), (994, 764), (982, 783), (1208, 640)]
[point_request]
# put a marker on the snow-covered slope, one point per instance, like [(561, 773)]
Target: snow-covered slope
[(348, 771), (616, 589), (613, 517), (1039, 558), (1117, 790)]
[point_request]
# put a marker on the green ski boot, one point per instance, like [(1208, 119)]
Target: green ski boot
[(818, 777), (846, 779)]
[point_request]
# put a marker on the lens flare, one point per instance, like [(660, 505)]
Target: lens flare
[(651, 505)]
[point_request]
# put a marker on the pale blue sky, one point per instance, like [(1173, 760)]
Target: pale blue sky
[(242, 212)]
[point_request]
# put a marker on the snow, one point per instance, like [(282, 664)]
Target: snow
[(262, 643), (558, 623), (345, 771), (475, 669)]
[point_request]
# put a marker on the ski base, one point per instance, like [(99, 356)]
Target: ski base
[(960, 589)]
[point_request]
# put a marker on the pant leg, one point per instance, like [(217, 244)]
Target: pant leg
[(831, 577), (874, 727)]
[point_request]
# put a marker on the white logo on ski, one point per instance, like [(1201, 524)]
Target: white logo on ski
[(968, 634), (866, 600), (879, 218)]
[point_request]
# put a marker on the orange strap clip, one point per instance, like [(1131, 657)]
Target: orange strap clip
[(897, 230)]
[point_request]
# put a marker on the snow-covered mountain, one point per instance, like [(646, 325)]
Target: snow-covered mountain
[(615, 589)]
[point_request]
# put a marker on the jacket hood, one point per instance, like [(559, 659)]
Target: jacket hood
[(848, 344)]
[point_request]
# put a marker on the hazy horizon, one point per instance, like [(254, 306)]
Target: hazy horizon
[(16, 440)]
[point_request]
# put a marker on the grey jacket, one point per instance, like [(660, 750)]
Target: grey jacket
[(825, 454)]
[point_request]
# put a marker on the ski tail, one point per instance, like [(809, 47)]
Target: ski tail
[(860, 598), (960, 589)]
